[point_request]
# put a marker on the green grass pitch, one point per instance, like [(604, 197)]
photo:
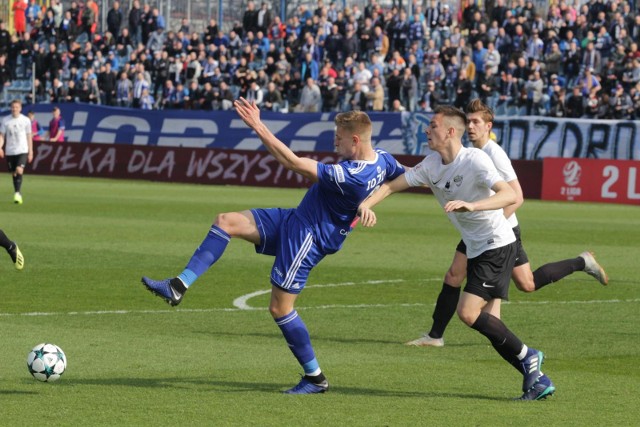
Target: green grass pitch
[(133, 360)]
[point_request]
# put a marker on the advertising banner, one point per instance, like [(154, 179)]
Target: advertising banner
[(590, 180), (173, 164), (204, 166)]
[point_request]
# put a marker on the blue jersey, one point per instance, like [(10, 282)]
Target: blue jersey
[(330, 205)]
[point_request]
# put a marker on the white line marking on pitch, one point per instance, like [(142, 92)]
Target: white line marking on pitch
[(240, 303), (318, 307)]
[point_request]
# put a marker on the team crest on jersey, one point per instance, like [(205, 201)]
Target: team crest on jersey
[(457, 180)]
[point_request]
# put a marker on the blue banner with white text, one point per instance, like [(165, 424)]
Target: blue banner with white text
[(524, 138)]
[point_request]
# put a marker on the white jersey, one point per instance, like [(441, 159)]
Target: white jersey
[(470, 178), (15, 131), (503, 164)]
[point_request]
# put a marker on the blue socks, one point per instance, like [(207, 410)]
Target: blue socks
[(297, 336), (209, 251)]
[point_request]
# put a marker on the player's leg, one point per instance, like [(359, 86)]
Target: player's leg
[(479, 310), (493, 308), (446, 303), (296, 255), (12, 250), (488, 279), (523, 278), (227, 225), (12, 164), (296, 334), (528, 281), (21, 161), (522, 275), (554, 271)]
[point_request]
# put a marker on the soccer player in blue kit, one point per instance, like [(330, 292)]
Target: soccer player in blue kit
[(298, 238)]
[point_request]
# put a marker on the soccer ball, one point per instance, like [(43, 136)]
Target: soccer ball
[(46, 362)]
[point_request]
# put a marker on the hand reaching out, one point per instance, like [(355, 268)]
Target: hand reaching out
[(367, 217), (248, 112)]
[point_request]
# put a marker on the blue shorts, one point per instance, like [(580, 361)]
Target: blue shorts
[(282, 235)]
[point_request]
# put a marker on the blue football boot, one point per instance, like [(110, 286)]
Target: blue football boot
[(170, 290)]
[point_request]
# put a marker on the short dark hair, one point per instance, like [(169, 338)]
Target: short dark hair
[(451, 111)]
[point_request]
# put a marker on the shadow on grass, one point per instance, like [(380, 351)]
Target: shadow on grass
[(221, 386)]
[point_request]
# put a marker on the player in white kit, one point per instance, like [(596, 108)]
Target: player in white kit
[(473, 194), (479, 124), (16, 144)]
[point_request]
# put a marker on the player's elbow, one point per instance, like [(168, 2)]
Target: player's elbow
[(509, 196), (519, 200), (302, 168)]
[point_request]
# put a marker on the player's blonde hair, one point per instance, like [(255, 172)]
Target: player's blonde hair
[(357, 122)]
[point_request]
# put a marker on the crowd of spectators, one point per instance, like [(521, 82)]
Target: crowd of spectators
[(576, 61)]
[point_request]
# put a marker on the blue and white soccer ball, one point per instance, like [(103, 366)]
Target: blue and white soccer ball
[(46, 362)]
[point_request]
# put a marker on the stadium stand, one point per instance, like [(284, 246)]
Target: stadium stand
[(518, 58)]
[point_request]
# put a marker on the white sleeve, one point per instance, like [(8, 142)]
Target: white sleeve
[(417, 175), (503, 164), (485, 169), (27, 125)]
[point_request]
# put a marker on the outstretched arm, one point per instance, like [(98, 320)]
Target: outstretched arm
[(504, 196), (250, 114), (367, 216)]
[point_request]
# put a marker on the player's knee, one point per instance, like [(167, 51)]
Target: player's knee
[(277, 310), (466, 315), (273, 309), (225, 221), (454, 278), (526, 285), (523, 278)]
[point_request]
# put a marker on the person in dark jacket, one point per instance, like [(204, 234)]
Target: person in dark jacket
[(114, 19)]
